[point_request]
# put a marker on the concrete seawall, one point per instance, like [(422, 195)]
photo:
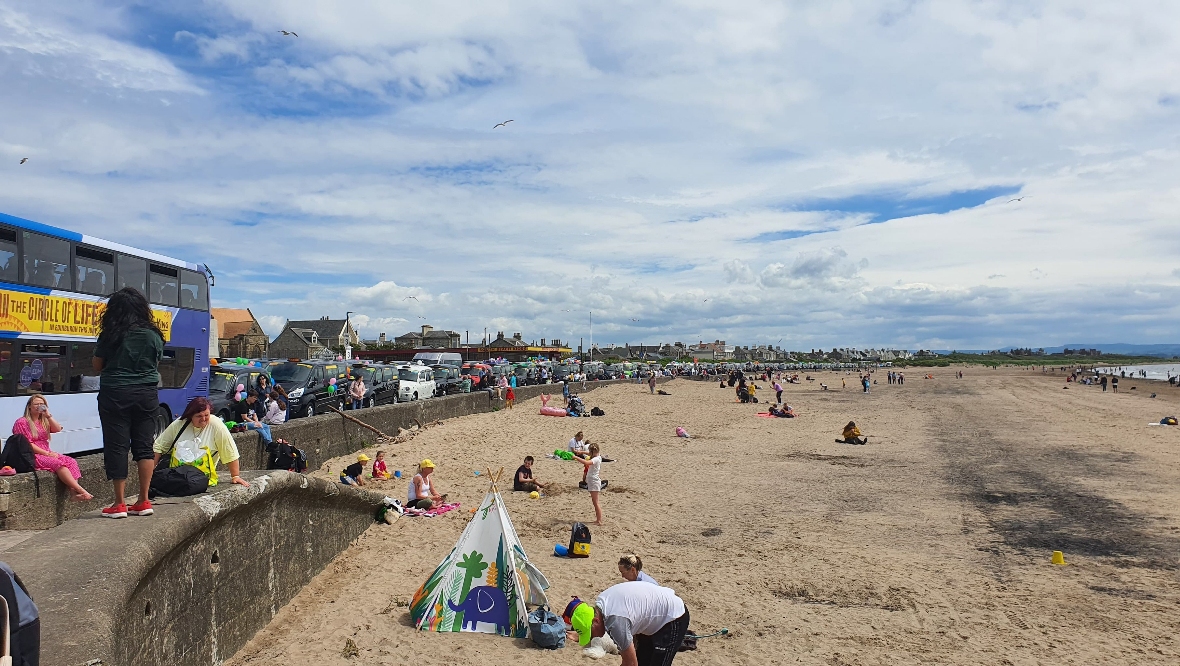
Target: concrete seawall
[(321, 437), (191, 584)]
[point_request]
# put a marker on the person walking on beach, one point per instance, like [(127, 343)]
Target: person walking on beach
[(127, 356), (1114, 383), (778, 392), (1103, 382), (651, 383)]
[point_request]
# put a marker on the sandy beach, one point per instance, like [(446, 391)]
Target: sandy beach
[(929, 545)]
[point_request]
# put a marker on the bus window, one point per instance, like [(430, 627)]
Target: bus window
[(133, 273), (5, 368), (47, 261), (163, 286), (194, 291), (176, 366), (83, 378), (42, 369), (8, 266), (96, 271)]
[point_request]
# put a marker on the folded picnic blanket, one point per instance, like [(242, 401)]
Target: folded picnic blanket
[(433, 511)]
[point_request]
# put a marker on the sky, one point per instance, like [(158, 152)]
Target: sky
[(898, 173)]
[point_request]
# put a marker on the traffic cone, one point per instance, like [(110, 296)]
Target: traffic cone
[(1058, 557)]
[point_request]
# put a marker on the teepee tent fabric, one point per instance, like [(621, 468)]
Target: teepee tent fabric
[(485, 583)]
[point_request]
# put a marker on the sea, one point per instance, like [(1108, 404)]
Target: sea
[(1153, 371)]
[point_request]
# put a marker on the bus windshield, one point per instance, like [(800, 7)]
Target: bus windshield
[(291, 373)]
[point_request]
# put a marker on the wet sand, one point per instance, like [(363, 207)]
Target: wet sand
[(929, 545)]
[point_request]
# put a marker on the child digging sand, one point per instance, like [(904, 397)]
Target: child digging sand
[(593, 467), (380, 471)]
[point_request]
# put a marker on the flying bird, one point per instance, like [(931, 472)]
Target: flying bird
[(289, 34), (23, 160), (501, 124), (634, 320), (705, 301), (1020, 199), (409, 297), (421, 317)]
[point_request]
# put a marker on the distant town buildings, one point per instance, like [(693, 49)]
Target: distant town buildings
[(315, 338), (239, 335), (428, 338)]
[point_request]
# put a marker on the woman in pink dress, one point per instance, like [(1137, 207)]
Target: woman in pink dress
[(38, 425)]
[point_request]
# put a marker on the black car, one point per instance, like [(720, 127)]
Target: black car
[(447, 380), (380, 384), (310, 387), (223, 384)]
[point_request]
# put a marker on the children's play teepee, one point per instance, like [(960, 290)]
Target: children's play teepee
[(486, 582)]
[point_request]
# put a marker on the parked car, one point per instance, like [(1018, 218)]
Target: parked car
[(380, 383), (438, 358), (446, 380), (223, 384), (309, 385), (415, 382)]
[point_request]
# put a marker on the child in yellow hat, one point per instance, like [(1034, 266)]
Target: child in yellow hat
[(354, 474)]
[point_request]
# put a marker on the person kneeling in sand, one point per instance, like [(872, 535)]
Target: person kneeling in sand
[(852, 435), (354, 474), (423, 491), (524, 480), (785, 412), (631, 569)]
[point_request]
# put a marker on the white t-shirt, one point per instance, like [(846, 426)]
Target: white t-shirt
[(576, 446), (637, 608), (593, 473)]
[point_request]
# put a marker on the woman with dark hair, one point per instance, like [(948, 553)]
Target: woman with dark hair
[(127, 356), (199, 439)]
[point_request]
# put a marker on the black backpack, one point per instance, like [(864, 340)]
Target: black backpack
[(18, 454), (597, 412), (579, 541), (282, 455), (23, 620), (179, 481)]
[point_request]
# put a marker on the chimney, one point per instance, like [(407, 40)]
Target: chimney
[(516, 336), (542, 342), (381, 338), (499, 334), (426, 328)]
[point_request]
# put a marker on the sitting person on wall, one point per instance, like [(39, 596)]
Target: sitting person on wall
[(354, 474), (524, 480), (423, 490), (200, 439), (38, 426), (276, 409), (852, 435), (246, 414)]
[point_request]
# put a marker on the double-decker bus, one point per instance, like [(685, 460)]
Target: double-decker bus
[(53, 285)]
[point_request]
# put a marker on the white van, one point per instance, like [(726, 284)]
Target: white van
[(439, 358), (415, 382)]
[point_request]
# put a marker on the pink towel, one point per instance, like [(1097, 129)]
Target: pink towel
[(433, 511)]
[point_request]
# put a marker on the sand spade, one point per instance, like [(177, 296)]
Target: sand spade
[(1058, 558)]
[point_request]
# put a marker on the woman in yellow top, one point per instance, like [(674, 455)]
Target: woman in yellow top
[(201, 440), (852, 435)]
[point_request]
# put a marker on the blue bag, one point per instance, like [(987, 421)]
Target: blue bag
[(547, 630)]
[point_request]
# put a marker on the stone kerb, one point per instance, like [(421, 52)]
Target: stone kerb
[(321, 437), (193, 583)]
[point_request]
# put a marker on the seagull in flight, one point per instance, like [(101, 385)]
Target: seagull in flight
[(501, 124), (1020, 199), (289, 34), (421, 317), (409, 297), (23, 160), (634, 320), (705, 301)]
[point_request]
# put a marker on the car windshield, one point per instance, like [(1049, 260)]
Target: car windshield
[(407, 375), (365, 373), (291, 373), (223, 382), (440, 375)]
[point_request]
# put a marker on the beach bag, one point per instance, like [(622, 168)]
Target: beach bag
[(597, 411), (18, 454), (284, 456), (546, 629), (1167, 420), (182, 480), (579, 541), (22, 622)]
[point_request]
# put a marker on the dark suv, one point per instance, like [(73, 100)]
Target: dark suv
[(309, 385), (380, 383), (223, 384)]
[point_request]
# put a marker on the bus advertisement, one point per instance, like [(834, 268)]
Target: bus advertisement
[(53, 286)]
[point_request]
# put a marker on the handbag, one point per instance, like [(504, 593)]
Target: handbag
[(546, 629), (179, 481)]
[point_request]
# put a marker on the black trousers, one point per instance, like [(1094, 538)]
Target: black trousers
[(660, 648), (128, 418)]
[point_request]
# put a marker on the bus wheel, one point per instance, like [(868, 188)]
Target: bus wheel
[(163, 420)]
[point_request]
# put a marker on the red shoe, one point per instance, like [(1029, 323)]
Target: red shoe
[(141, 508), (116, 511)]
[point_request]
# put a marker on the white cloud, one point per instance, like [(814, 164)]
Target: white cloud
[(714, 171)]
